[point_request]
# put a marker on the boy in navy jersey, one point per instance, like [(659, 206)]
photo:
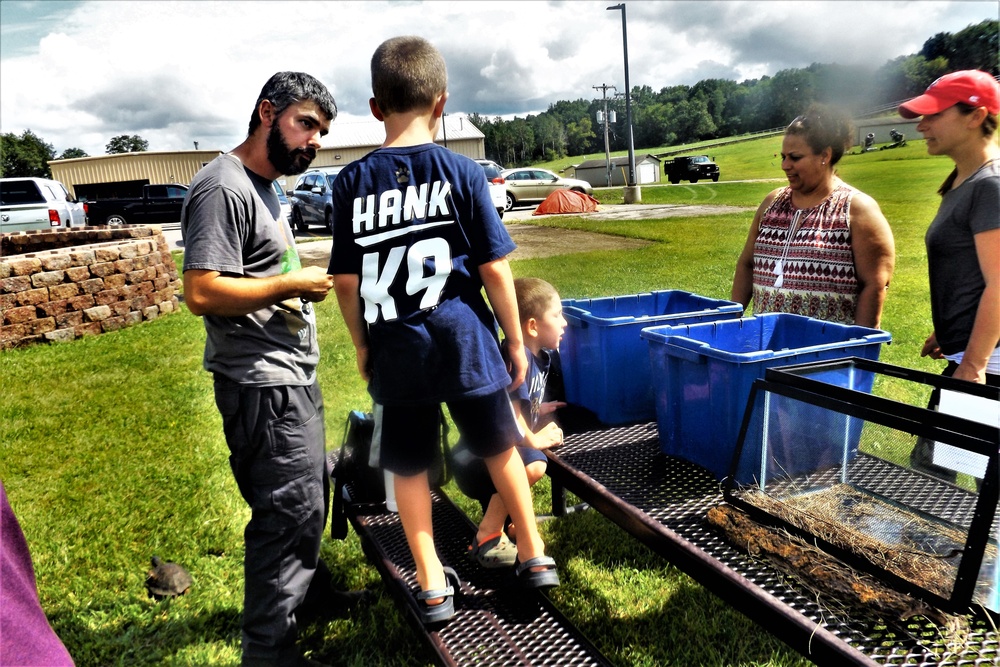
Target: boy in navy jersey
[(415, 241)]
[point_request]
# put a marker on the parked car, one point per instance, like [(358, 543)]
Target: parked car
[(312, 198), (286, 207), (158, 204), (494, 177), (530, 185), (38, 203)]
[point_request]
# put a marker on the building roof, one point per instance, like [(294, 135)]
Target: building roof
[(616, 161), (353, 134)]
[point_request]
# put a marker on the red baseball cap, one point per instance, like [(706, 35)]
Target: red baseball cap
[(970, 86)]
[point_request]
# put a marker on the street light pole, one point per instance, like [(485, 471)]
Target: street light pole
[(632, 192)]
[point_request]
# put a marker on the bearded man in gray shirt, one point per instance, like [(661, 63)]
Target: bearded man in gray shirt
[(242, 274)]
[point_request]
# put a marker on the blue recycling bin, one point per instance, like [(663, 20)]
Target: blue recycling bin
[(605, 362), (702, 374)]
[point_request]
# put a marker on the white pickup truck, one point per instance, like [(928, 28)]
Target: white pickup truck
[(38, 203)]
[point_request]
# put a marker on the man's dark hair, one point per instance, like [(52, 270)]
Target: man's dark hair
[(287, 88)]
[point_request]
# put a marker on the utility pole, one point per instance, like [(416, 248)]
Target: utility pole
[(607, 145)]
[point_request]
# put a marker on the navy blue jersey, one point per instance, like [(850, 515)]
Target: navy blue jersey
[(532, 391), (415, 223)]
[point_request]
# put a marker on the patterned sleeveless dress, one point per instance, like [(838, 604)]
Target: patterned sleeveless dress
[(803, 262)]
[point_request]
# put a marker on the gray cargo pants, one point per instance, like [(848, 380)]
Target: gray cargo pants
[(277, 440)]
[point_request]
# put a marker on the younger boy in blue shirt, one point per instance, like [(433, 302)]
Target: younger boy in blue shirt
[(415, 241), (542, 328)]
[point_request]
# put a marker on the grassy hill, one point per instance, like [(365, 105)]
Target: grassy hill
[(104, 473)]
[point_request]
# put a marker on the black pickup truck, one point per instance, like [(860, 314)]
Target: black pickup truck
[(158, 204), (690, 168)]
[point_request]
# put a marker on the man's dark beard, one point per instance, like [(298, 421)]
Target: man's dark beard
[(287, 160)]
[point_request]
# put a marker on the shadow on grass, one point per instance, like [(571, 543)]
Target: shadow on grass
[(149, 639), (640, 610)]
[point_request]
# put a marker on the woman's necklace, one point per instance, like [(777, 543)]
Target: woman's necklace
[(779, 267)]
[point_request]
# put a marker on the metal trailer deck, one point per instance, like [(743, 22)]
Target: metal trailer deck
[(662, 501), (497, 622)]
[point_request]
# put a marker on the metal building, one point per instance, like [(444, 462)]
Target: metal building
[(85, 176), (595, 172)]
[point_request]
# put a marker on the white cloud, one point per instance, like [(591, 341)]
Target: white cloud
[(178, 72)]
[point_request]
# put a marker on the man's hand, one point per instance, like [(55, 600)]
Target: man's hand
[(315, 283), (931, 349)]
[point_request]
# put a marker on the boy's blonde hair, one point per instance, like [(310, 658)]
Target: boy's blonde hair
[(408, 73), (534, 296)]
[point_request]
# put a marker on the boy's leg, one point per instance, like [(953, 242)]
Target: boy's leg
[(493, 518), (507, 471), (495, 515), (413, 497), (409, 442), (488, 425)]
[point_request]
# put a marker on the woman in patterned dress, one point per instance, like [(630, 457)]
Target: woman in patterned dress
[(817, 246)]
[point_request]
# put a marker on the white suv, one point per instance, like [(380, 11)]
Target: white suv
[(498, 193), (37, 203)]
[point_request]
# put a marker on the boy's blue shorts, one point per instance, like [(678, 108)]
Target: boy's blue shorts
[(410, 437)]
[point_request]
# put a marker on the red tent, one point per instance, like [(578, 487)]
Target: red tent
[(566, 201)]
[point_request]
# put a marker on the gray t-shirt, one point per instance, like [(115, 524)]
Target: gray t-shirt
[(232, 223), (956, 281)]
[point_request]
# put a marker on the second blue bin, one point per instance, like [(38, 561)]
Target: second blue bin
[(605, 362), (702, 374)]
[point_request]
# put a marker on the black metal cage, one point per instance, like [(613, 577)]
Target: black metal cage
[(903, 492)]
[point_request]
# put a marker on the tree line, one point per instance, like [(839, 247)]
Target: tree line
[(715, 108), (27, 154), (673, 115)]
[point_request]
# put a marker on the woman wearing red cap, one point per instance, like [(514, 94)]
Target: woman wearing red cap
[(963, 241)]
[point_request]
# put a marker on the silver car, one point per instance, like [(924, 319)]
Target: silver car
[(530, 185)]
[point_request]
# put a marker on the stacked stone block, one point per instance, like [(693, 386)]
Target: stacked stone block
[(110, 279)]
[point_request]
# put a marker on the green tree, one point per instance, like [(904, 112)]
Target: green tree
[(25, 155), (522, 141), (976, 47), (692, 121), (550, 135), (580, 137), (71, 153), (908, 76), (125, 143)]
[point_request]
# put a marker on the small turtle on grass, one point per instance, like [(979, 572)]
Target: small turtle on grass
[(167, 580)]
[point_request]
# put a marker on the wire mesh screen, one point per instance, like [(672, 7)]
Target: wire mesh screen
[(896, 495)]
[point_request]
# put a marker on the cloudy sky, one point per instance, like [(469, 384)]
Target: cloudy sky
[(79, 73)]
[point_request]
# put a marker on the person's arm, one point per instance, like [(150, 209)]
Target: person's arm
[(549, 435), (874, 258), (213, 293), (742, 290), (347, 287), (986, 328), (499, 284)]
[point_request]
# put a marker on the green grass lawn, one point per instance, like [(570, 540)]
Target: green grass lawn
[(112, 451)]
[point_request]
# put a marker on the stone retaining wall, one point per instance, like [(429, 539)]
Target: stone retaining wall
[(60, 285)]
